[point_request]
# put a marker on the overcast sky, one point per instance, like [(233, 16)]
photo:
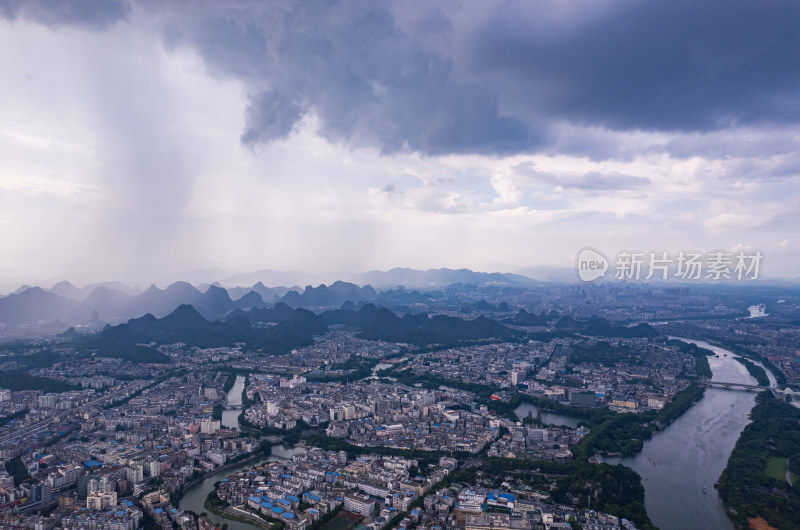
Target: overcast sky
[(143, 138)]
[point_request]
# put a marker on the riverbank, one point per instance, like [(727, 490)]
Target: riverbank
[(680, 465), (747, 487), (774, 374), (194, 494), (232, 513), (178, 495)]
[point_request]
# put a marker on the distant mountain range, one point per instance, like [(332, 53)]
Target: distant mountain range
[(104, 304), (93, 305), (67, 290), (409, 278), (66, 305), (292, 328)]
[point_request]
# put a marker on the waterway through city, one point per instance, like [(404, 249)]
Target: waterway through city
[(233, 401), (195, 497), (680, 465)]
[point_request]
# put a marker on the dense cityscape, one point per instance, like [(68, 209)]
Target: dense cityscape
[(508, 425), (399, 265)]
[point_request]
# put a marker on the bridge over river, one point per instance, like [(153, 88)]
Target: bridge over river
[(734, 386)]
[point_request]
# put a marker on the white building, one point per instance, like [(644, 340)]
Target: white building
[(470, 500), (209, 426), (152, 468), (135, 472), (361, 504)]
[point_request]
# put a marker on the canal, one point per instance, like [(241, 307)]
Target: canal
[(680, 465), (195, 496), (233, 404)]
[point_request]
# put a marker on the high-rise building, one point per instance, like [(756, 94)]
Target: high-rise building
[(209, 426), (152, 468), (135, 472)]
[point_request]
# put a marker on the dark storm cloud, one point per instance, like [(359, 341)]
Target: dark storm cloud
[(271, 115), (369, 82), (483, 77), (493, 77), (724, 144), (87, 14), (672, 65)]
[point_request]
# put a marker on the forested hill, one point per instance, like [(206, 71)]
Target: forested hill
[(280, 329)]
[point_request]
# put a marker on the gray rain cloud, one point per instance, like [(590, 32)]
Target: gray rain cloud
[(86, 14), (481, 77)]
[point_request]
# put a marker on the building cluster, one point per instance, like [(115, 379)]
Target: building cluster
[(774, 339), (327, 357), (371, 413), (108, 453), (644, 374), (546, 443), (478, 508), (163, 437), (300, 491)]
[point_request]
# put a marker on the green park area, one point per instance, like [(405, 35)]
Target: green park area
[(776, 468)]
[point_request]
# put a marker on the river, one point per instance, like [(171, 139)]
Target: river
[(195, 496), (674, 465), (692, 452), (233, 404)]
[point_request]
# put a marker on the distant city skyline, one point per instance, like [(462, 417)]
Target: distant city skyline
[(141, 141)]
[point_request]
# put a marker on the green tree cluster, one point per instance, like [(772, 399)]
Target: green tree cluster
[(745, 487)]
